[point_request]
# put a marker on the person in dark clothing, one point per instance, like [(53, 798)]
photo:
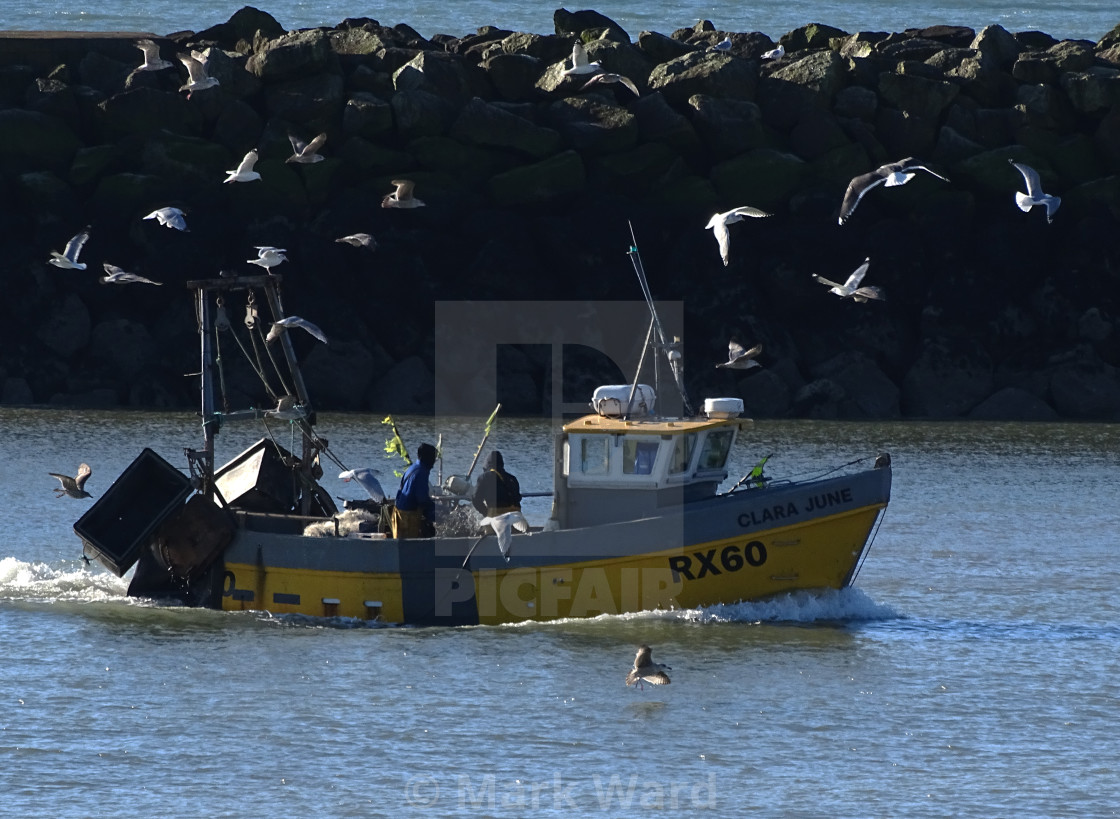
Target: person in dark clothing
[(497, 491), (415, 511)]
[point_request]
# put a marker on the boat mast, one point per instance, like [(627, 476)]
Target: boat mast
[(672, 350), (209, 419)]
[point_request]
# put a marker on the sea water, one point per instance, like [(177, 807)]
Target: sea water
[(1084, 19), (970, 672)]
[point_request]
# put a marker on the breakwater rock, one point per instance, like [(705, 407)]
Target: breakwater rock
[(529, 177)]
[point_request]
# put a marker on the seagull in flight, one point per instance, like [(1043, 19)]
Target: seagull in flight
[(197, 78), (114, 275), (718, 225), (1034, 195), (244, 172), (152, 60), (850, 288), (607, 77), (739, 357), (359, 240), (268, 257), (890, 175), (74, 487), (775, 53), (645, 670), (503, 526), (402, 197), (306, 153), (68, 258), (580, 64), (283, 324), (367, 479), (169, 217)]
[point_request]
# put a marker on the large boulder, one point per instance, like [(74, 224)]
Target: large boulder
[(764, 177), (66, 328), (34, 142), (1013, 404), (946, 383), (574, 23), (702, 72), (727, 126), (481, 123), (339, 375), (594, 126), (144, 110), (814, 79), (435, 73), (422, 113), (291, 55), (314, 99), (916, 94), (559, 175)]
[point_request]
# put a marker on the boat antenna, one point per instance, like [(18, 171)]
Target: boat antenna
[(672, 350)]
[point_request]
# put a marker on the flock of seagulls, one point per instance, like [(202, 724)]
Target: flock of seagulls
[(890, 175)]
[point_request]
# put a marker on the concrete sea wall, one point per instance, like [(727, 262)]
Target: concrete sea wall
[(530, 180)]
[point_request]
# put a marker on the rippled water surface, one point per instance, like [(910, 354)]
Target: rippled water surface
[(1086, 19), (970, 672)]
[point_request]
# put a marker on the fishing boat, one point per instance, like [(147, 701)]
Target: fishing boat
[(638, 520)]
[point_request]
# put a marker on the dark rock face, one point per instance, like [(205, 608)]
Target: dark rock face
[(530, 178)]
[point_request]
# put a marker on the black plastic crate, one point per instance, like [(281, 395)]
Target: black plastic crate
[(123, 520)]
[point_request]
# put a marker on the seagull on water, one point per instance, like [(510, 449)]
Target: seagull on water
[(503, 526), (367, 479), (607, 77), (402, 197), (580, 63), (306, 153), (114, 275), (739, 357), (268, 257), (890, 175), (197, 78), (645, 670), (152, 60), (169, 217), (850, 288), (283, 324), (244, 172), (1034, 195), (775, 53), (359, 240), (719, 222), (68, 258), (74, 487)]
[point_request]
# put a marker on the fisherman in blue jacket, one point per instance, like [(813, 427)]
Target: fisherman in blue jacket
[(415, 511)]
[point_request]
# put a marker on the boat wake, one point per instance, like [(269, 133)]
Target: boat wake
[(43, 583), (849, 605)]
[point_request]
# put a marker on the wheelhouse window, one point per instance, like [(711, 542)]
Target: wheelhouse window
[(716, 447), (683, 447), (638, 456), (594, 455)]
